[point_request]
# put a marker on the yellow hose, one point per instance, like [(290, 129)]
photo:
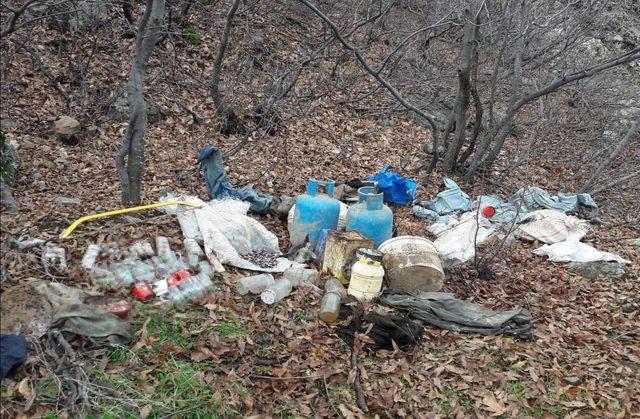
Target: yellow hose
[(81, 220)]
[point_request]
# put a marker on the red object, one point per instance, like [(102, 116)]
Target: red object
[(113, 305), (488, 211), (173, 279), (182, 274), (142, 291)]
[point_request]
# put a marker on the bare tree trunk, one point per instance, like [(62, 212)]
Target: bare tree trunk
[(461, 108), (130, 158), (516, 81), (477, 127), (217, 63), (550, 88), (633, 133)]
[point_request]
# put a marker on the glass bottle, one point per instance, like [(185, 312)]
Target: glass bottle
[(330, 307), (254, 284), (276, 291)]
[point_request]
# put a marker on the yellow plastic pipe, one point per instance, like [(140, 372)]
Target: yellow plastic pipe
[(81, 220)]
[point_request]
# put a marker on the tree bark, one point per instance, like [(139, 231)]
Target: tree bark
[(459, 114), (130, 158), (221, 110), (633, 133), (516, 83), (550, 88)]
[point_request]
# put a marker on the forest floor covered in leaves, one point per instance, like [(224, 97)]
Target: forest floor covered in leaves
[(232, 355), (229, 355)]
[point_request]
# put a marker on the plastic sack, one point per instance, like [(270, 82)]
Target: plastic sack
[(186, 218), (575, 251), (457, 239), (396, 189), (451, 200), (551, 226)]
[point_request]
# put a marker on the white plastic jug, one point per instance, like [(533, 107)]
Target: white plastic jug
[(366, 279)]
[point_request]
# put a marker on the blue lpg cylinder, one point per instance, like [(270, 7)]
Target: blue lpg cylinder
[(314, 212), (370, 216)]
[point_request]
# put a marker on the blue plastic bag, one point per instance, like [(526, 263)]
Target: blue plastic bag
[(396, 189)]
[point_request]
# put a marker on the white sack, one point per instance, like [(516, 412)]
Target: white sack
[(228, 233), (575, 251), (186, 219), (457, 238), (550, 226)]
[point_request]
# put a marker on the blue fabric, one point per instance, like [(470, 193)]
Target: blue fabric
[(13, 352), (219, 186), (396, 189)]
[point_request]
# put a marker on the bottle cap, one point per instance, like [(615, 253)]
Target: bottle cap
[(268, 297)]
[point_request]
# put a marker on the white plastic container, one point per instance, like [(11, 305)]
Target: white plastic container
[(276, 291), (366, 279), (254, 284), (90, 256)]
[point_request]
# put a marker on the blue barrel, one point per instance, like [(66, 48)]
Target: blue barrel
[(314, 212), (370, 216)]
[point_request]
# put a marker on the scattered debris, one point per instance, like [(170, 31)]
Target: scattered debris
[(551, 226), (63, 200), (575, 251), (13, 352), (54, 256), (26, 242), (449, 201), (340, 251), (219, 186), (443, 310), (412, 264), (396, 189)]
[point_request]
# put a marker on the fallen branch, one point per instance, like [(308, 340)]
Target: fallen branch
[(360, 399)]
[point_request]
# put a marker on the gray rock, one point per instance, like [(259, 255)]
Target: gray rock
[(119, 108), (595, 270), (63, 200)]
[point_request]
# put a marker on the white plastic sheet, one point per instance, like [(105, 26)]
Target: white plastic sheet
[(457, 239), (574, 251), (549, 226), (228, 233)]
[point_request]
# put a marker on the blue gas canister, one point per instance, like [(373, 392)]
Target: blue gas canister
[(370, 216), (314, 212)]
